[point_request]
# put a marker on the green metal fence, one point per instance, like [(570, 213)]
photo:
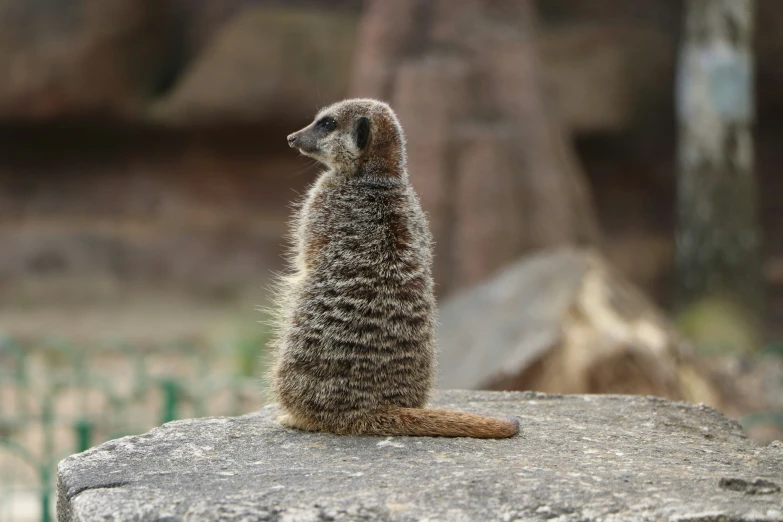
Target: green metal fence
[(59, 397)]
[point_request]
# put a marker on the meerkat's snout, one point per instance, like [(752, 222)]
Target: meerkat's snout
[(301, 140), (305, 141)]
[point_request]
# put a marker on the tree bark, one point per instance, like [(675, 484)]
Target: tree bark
[(486, 152), (718, 238)]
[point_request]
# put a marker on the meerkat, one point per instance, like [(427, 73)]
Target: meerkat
[(355, 349)]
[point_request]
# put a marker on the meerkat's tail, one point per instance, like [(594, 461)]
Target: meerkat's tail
[(442, 423)]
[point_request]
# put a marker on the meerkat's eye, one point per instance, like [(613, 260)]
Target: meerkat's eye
[(327, 123)]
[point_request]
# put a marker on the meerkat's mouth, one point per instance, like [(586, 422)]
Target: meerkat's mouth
[(310, 151), (314, 153)]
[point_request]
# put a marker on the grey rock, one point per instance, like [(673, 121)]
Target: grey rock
[(564, 321), (511, 321), (585, 457)]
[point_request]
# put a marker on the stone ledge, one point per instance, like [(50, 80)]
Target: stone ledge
[(579, 457)]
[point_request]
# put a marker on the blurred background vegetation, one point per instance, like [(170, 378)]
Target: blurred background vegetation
[(600, 177)]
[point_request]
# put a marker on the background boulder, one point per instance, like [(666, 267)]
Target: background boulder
[(564, 321)]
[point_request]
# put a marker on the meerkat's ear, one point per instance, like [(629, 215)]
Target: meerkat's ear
[(362, 133)]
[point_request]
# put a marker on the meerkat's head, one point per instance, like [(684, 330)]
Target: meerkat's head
[(353, 136)]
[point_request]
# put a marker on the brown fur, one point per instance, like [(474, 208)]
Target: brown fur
[(356, 341)]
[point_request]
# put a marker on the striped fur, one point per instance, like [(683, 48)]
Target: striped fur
[(355, 347)]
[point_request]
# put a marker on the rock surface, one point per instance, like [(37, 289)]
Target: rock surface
[(605, 458)]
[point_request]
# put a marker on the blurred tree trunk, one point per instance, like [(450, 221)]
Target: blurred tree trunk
[(718, 267), (493, 167)]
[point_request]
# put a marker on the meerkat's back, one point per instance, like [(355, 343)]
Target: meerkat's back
[(356, 345)]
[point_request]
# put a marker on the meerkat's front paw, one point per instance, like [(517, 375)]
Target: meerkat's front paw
[(291, 421), (286, 420)]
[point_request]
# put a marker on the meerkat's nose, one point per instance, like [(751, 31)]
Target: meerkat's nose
[(292, 139)]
